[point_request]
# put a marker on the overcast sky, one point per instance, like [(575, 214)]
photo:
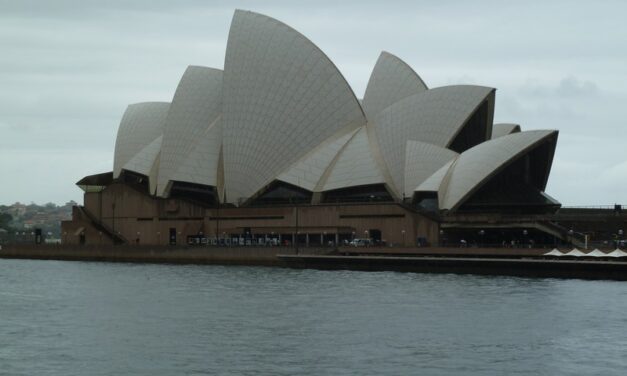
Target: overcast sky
[(68, 69)]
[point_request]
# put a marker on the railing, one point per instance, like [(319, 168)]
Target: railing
[(117, 237)]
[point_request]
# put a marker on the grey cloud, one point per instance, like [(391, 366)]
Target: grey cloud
[(68, 69), (568, 87), (572, 87)]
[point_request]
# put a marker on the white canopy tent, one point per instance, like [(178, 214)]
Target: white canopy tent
[(617, 253), (596, 253), (575, 252), (554, 252)]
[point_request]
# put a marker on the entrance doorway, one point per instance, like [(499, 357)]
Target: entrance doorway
[(375, 235), (172, 236)]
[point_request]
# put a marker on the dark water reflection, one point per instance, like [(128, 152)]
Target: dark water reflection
[(74, 318)]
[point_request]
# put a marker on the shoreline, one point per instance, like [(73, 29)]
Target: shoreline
[(480, 261)]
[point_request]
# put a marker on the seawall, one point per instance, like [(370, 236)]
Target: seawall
[(266, 256), (510, 266), (511, 262)]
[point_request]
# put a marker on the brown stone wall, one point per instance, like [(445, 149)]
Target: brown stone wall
[(142, 219), (79, 226)]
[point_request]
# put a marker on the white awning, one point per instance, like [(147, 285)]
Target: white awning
[(554, 252), (596, 253), (617, 253), (575, 252)]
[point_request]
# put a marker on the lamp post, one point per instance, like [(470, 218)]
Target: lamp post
[(570, 235), (442, 242), (403, 233), (571, 232), (482, 233), (525, 233)]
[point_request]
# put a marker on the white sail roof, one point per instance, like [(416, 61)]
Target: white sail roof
[(281, 110), (282, 98), (434, 116), (143, 161), (355, 165), (422, 160), (435, 182), (141, 124), (503, 129), (200, 165), (476, 165), (307, 172), (197, 103), (391, 80)]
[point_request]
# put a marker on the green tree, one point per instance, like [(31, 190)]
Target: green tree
[(5, 220)]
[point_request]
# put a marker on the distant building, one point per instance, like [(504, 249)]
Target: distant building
[(278, 146)]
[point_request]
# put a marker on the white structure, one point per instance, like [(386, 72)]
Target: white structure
[(280, 122), (617, 253), (575, 253), (192, 130), (596, 253), (554, 252), (141, 125), (503, 129)]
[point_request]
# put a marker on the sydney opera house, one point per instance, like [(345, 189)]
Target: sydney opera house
[(278, 146)]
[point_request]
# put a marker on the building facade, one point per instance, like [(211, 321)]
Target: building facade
[(278, 145)]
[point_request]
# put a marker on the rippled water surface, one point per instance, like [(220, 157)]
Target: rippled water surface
[(76, 318)]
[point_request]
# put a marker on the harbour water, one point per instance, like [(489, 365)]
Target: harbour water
[(80, 318)]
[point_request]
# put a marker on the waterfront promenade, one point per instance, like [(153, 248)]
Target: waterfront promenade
[(483, 261)]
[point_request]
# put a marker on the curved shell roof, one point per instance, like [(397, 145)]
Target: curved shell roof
[(144, 162), (476, 165), (200, 165), (434, 116), (197, 103), (308, 171), (391, 80), (435, 182), (141, 124), (281, 110), (421, 161), (354, 166), (282, 98), (503, 129)]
